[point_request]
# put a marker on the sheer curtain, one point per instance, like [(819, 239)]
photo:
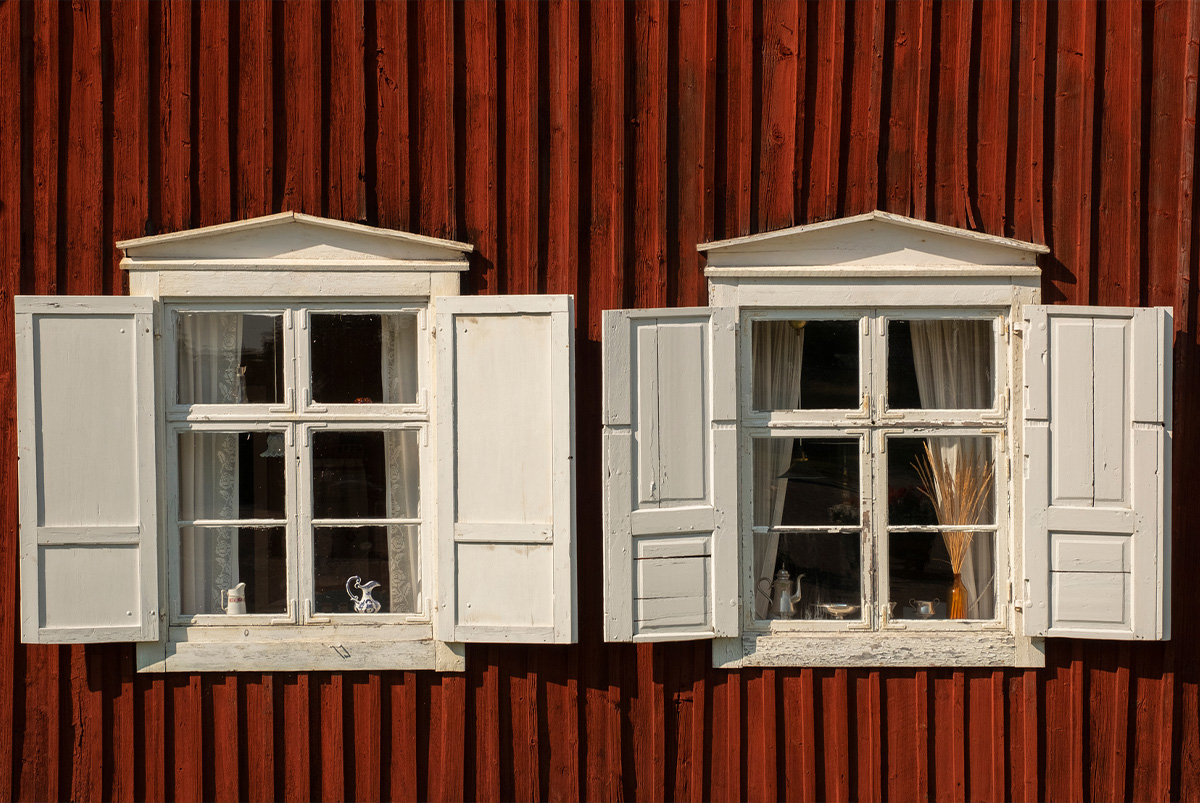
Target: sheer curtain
[(953, 361), (778, 348), (399, 367), (210, 371)]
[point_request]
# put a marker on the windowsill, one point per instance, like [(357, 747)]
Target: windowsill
[(880, 649), (330, 648)]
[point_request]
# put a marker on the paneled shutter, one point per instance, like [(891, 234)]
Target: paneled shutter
[(506, 471), (1097, 479), (85, 441), (670, 474)]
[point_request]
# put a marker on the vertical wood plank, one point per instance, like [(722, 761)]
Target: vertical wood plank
[(826, 131), (259, 694), (696, 135), (435, 118), (485, 677), (186, 747), (1024, 748), (302, 103), (861, 187), (296, 729), (907, 708), (868, 735), (649, 737), (87, 723), (1108, 722), (1064, 756), (761, 729), (1070, 277), (835, 708), (992, 127), (800, 737), (45, 155), (519, 216), (562, 192), (908, 122), (737, 114), (346, 180), (949, 736), (1029, 73), (150, 707), (227, 739), (949, 158), (173, 148), (401, 727), (365, 702), (212, 111), (985, 735), (254, 107), (782, 34), (84, 186), (649, 154), (481, 207), (522, 699), (558, 728), (393, 137), (331, 755)]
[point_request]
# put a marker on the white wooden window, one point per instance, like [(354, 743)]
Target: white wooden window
[(281, 466), (931, 469)]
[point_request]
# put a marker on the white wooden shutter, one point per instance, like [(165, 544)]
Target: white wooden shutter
[(1097, 480), (670, 474), (85, 442), (506, 471)]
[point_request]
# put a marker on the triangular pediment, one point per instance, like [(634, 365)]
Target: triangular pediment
[(877, 239), (295, 239)]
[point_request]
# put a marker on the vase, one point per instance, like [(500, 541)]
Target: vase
[(956, 608)]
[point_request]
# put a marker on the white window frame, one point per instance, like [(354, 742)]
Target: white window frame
[(296, 418)]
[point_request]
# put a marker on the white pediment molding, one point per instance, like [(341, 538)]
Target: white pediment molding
[(876, 241), (294, 241)]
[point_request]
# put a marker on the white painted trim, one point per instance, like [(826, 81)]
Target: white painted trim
[(853, 272), (877, 215), (887, 650)]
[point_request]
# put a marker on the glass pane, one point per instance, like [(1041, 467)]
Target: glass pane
[(806, 365), (829, 568), (922, 574), (364, 359), (940, 480), (231, 475), (941, 365), (807, 482), (229, 358), (355, 565), (217, 563), (371, 475)]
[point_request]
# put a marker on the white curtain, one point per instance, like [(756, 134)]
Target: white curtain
[(399, 365), (953, 360), (210, 372), (778, 351)]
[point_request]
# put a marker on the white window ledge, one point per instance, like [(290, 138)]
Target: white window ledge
[(327, 650), (884, 650)]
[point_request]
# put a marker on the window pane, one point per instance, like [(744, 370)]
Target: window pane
[(213, 560), (829, 568), (806, 365), (940, 480), (364, 359), (366, 474), (941, 365), (229, 358), (807, 482), (922, 574), (231, 475), (383, 554)]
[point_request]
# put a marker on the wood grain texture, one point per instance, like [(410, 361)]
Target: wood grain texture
[(587, 148)]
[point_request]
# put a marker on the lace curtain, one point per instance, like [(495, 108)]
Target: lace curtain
[(210, 371), (953, 358), (778, 350), (399, 368)]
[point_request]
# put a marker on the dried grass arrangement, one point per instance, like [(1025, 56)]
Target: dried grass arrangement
[(959, 491)]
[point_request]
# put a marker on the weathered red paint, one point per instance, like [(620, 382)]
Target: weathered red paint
[(587, 148)]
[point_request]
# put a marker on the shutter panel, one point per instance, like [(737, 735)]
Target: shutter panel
[(506, 475), (85, 440), (670, 469), (1097, 482)]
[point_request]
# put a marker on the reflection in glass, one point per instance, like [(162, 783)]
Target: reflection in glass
[(217, 559), (364, 359), (231, 475), (386, 554), (366, 474), (920, 571), (806, 365), (828, 567), (941, 364), (229, 358), (807, 482)]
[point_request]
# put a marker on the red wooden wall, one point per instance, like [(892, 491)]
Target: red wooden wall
[(587, 149)]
